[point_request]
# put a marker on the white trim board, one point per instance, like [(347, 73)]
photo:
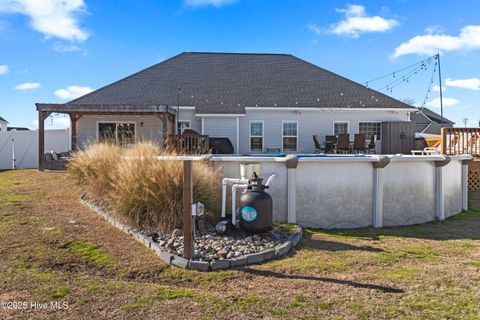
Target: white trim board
[(219, 115), (326, 109)]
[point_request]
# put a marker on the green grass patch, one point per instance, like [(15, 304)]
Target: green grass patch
[(402, 273), (91, 253), (56, 292)]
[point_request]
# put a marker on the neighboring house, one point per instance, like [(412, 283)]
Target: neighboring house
[(258, 101), (3, 124), (17, 129), (429, 122)]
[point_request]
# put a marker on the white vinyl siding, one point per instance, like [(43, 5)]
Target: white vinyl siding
[(309, 122), (222, 127), (148, 127), (189, 115)]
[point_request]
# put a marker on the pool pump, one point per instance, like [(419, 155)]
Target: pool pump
[(256, 206)]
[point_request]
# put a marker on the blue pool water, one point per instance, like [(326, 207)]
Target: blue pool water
[(306, 155)]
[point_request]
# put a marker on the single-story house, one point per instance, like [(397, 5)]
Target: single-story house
[(429, 122), (258, 101), (3, 124)]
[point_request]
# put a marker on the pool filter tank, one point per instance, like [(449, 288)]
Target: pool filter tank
[(256, 207)]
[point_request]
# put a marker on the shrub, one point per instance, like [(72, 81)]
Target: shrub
[(148, 191), (92, 170)]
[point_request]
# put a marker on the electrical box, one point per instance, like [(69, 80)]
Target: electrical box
[(198, 209)]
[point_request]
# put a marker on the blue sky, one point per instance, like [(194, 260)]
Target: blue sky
[(52, 50)]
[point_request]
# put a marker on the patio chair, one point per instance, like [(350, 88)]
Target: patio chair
[(318, 146), (371, 144), (343, 143), (330, 142), (359, 143)]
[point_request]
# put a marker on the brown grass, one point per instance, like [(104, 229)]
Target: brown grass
[(55, 249), (134, 184)]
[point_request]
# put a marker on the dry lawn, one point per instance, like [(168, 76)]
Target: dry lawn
[(55, 249)]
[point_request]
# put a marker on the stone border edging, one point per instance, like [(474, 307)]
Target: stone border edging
[(181, 262)]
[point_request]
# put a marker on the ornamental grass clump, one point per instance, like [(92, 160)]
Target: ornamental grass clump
[(92, 170), (149, 191)]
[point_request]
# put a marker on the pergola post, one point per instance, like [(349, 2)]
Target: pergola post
[(74, 117), (187, 209), (42, 115)]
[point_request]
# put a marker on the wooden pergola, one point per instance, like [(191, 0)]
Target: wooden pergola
[(76, 111)]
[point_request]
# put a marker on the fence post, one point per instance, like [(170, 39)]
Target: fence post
[(465, 184), (377, 219), (291, 163), (444, 140), (439, 196)]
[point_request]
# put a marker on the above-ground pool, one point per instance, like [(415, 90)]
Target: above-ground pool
[(351, 191)]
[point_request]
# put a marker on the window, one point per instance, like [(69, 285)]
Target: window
[(256, 136), (369, 128), (122, 133), (340, 127), (289, 136), (182, 125)]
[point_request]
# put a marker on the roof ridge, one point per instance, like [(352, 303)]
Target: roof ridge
[(240, 53)]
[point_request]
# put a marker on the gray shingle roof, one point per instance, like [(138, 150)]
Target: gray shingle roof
[(228, 82), (3, 120)]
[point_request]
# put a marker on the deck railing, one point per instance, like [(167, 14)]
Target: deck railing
[(189, 143), (461, 141)]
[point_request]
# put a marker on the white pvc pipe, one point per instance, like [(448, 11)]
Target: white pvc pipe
[(234, 200), (270, 179), (225, 181)]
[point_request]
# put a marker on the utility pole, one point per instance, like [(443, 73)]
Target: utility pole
[(441, 95), (465, 121), (178, 112)]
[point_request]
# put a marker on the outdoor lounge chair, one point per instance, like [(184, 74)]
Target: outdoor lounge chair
[(330, 142), (359, 143), (318, 146), (343, 143)]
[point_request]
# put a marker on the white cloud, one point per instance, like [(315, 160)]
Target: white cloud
[(72, 92), (447, 102), (3, 69), (437, 88), (35, 123), (435, 29), (27, 86), (62, 48), (357, 22), (53, 18), (429, 44), (314, 28), (472, 83), (203, 3)]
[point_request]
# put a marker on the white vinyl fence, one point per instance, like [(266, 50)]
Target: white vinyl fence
[(19, 149)]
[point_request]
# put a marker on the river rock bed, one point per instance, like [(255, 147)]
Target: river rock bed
[(210, 246)]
